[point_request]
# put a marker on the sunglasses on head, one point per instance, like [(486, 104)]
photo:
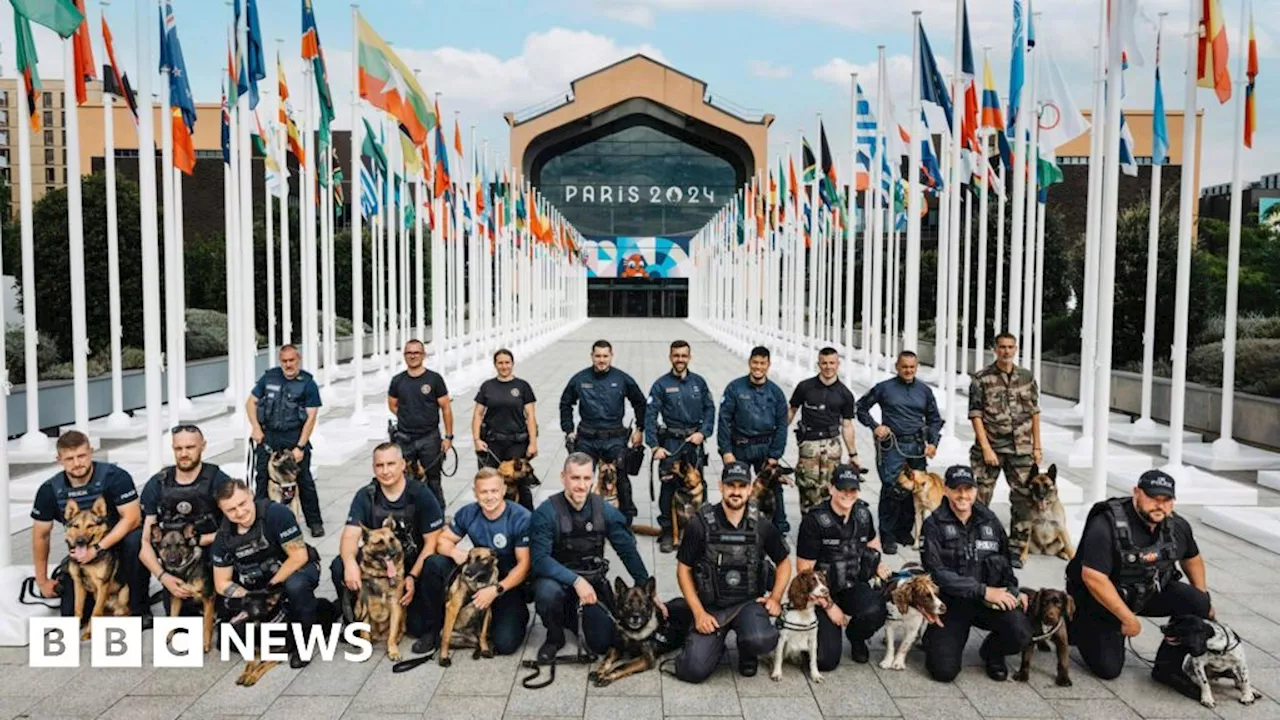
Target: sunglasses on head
[(188, 427)]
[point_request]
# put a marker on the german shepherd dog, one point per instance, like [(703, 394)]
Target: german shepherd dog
[(381, 586), (85, 528), (607, 482), (926, 490), (639, 638), (690, 494), (1049, 611), (1047, 525), (282, 487), (255, 609), (461, 615), (515, 473), (181, 556), (762, 495)]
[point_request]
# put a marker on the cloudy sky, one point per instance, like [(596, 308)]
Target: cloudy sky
[(791, 58)]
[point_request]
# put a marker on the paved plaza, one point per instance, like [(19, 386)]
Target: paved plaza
[(1243, 579)]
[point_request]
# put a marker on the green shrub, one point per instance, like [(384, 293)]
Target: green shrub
[(1257, 366), (66, 371), (47, 354), (206, 333), (1247, 326), (133, 358)]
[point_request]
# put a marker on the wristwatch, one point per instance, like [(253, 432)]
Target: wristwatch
[(97, 548), (449, 438), (501, 590)]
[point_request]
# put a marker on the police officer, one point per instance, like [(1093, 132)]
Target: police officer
[(966, 551), (180, 495), (688, 413), (85, 482), (570, 571), (753, 424), (504, 420), (419, 398), (838, 538), (906, 435), (418, 520), (1004, 407), (259, 548), (282, 411), (827, 409), (601, 393), (503, 527), (726, 580), (1125, 568)]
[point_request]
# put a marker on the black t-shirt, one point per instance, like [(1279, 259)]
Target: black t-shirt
[(824, 406), (427, 514), (504, 405), (693, 542), (809, 540), (118, 489), (1097, 548), (418, 398), (280, 527)]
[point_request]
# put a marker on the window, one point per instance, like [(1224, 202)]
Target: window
[(50, 175), (4, 98), (4, 117), (48, 156), (48, 99), (4, 137), (48, 137), (48, 118)]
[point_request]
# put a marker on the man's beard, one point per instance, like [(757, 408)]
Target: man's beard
[(189, 465), (1146, 516), (734, 503)]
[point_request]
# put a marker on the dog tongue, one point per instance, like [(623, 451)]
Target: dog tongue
[(391, 568)]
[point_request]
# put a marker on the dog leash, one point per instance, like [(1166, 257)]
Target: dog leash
[(583, 656), (654, 463), (893, 443), (440, 460), (1051, 633), (407, 665)]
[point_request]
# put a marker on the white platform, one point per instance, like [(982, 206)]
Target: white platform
[(195, 410), (1069, 493), (19, 517), (22, 488), (1269, 478), (1196, 487), (1258, 525), (122, 428), (1118, 458), (1070, 417), (21, 454), (1238, 457), (334, 450), (1146, 433)]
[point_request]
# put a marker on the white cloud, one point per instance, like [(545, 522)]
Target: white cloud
[(631, 14), (766, 69)]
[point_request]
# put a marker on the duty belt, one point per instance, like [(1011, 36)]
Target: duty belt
[(676, 433), (617, 432), (508, 437), (752, 439), (805, 434)]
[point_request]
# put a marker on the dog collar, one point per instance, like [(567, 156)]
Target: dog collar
[(1051, 632)]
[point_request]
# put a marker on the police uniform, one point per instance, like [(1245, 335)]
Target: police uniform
[(753, 427), (415, 514), (838, 547), (567, 544), (1006, 402), (505, 429), (823, 408), (114, 484), (686, 407), (503, 535), (418, 422), (282, 412), (732, 568), (601, 399), (910, 411), (174, 505), (256, 554), (965, 558), (1141, 563)]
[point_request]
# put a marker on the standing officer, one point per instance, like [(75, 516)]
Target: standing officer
[(504, 420), (180, 495), (259, 547), (569, 568), (282, 411), (418, 398), (905, 437), (418, 519), (85, 482), (601, 392), (753, 424), (727, 583), (838, 537), (689, 417), (966, 551), (828, 409), (1004, 407), (1125, 567)]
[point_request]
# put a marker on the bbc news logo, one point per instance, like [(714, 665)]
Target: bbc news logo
[(117, 642)]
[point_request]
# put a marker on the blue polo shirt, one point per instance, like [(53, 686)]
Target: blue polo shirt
[(503, 535)]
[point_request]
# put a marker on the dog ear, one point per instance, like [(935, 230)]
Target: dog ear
[(189, 532), (100, 506), (902, 597), (651, 587), (1053, 472), (1035, 470), (1033, 606), (156, 532), (1071, 607), (71, 510), (619, 587), (389, 524), (786, 470)]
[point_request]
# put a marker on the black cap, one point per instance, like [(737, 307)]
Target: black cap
[(1157, 483), (736, 472), (846, 477), (958, 475)]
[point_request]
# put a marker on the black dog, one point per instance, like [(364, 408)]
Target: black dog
[(1213, 651), (643, 634)]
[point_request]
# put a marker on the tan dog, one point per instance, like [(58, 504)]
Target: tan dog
[(86, 528), (382, 586), (181, 556), (1048, 532), (607, 482), (460, 614), (282, 485), (913, 604), (762, 488), (514, 473), (926, 490), (691, 492), (256, 609)]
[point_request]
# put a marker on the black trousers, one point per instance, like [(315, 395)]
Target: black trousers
[(610, 449), (500, 450), (1096, 632), (757, 454), (866, 610), (755, 631), (415, 614), (306, 481), (896, 509), (667, 490), (557, 606), (510, 613), (424, 449), (131, 571), (943, 646)]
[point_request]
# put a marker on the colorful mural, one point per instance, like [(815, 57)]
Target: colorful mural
[(638, 257)]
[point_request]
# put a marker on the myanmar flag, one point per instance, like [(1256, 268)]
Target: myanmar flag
[(388, 84)]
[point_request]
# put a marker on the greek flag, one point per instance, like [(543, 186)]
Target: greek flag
[(368, 193), (865, 139)]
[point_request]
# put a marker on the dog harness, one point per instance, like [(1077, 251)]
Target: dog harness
[(192, 504), (580, 537), (731, 569), (86, 494), (405, 517), (1141, 571), (253, 557), (844, 555)]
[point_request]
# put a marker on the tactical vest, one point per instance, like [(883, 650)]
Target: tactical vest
[(975, 553), (280, 408), (193, 504), (405, 517), (1141, 571), (84, 495), (844, 545), (254, 558), (732, 567), (579, 543)]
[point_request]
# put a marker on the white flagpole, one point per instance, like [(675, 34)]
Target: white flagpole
[(180, 360), (967, 329), (1033, 159), (911, 294), (942, 359), (1039, 308), (997, 318), (269, 251), (979, 329), (280, 148), (171, 254), (866, 315), (956, 180), (1018, 227), (150, 250), (1089, 324), (389, 250), (1144, 421), (75, 228), (881, 223), (233, 395), (33, 440), (6, 541), (248, 305), (118, 418), (357, 239), (313, 324)]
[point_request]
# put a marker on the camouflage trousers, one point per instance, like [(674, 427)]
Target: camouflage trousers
[(818, 459), (1017, 472)]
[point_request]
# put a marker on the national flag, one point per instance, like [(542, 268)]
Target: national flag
[(1061, 120), (114, 81), (226, 129), (83, 56), (791, 178), (339, 199), (286, 116), (457, 138), (180, 98), (184, 149), (1159, 125), (808, 162), (1128, 159), (864, 138), (1047, 172), (828, 184), (311, 50), (368, 193), (259, 137), (233, 90), (275, 177), (992, 116), (1017, 72), (782, 193), (929, 161), (373, 150), (932, 87), (967, 68), (60, 16), (388, 84), (252, 67), (1250, 99), (27, 62), (1211, 56), (442, 160)]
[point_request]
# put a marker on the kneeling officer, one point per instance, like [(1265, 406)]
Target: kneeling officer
[(966, 551), (724, 575), (838, 538)]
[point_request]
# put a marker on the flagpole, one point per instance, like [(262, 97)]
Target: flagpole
[(118, 418), (1039, 308), (1033, 160), (420, 286), (150, 249), (269, 250), (438, 262), (279, 148), (954, 225), (911, 293), (75, 227), (997, 316), (1144, 422), (866, 233), (233, 395), (1089, 324), (968, 277), (358, 416), (979, 329), (180, 271), (173, 335), (248, 307), (1018, 227), (313, 325)]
